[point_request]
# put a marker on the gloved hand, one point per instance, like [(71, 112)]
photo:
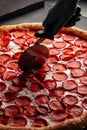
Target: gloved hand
[(64, 13)]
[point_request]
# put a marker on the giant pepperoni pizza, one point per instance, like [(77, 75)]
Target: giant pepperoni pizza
[(55, 97)]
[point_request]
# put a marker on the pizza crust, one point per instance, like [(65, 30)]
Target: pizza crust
[(77, 123)]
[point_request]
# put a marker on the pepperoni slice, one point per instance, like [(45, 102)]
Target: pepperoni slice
[(12, 65), (3, 120), (59, 116), (15, 88), (59, 44), (40, 76), (45, 68), (30, 111), (81, 53), (69, 85), (66, 57), (84, 44), (42, 99), (58, 35), (18, 34), (9, 75), (79, 42), (59, 67), (2, 86), (50, 84), (12, 111), (57, 93), (77, 73), (16, 55), (56, 105), (75, 111), (4, 58), (73, 64), (8, 97), (83, 80), (43, 110), (2, 69), (67, 51), (35, 87), (18, 121), (84, 103), (47, 41), (19, 81), (23, 101), (52, 59), (53, 51), (39, 122), (59, 76), (68, 38), (20, 41), (85, 61), (82, 89), (70, 100)]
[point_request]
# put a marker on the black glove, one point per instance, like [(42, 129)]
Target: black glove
[(64, 13)]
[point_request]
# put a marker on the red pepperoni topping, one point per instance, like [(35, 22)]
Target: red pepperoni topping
[(2, 69), (69, 85), (8, 97), (59, 116), (50, 84), (9, 75), (39, 122), (30, 111), (84, 103), (59, 76), (42, 99), (58, 35), (75, 111), (83, 80), (2, 86), (59, 45), (66, 57), (85, 61), (84, 43), (35, 87), (45, 68), (77, 73), (43, 110), (47, 41), (23, 101), (70, 100), (59, 67), (82, 89), (79, 42), (68, 38), (20, 41), (16, 55), (19, 80), (67, 51), (4, 58), (52, 59), (15, 88), (73, 64), (81, 53), (17, 121), (53, 51), (12, 111), (18, 34), (3, 120), (57, 93), (12, 65), (56, 105)]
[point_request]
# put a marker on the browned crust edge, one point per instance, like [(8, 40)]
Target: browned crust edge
[(77, 123)]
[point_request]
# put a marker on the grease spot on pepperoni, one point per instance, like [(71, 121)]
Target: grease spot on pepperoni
[(30, 111), (52, 59), (4, 58), (77, 73), (55, 105), (59, 76), (34, 87), (50, 84), (84, 103), (59, 67), (75, 111), (70, 100), (59, 45), (8, 97), (43, 110), (2, 86), (68, 38), (82, 89), (23, 101), (57, 93), (85, 61), (73, 64), (18, 121), (59, 116), (53, 51), (42, 99), (13, 65), (83, 80), (12, 111), (39, 122), (3, 120), (69, 85), (9, 75), (2, 69), (64, 57)]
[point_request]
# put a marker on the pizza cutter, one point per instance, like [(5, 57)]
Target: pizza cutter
[(34, 57)]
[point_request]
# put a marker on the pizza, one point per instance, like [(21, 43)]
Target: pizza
[(53, 98)]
